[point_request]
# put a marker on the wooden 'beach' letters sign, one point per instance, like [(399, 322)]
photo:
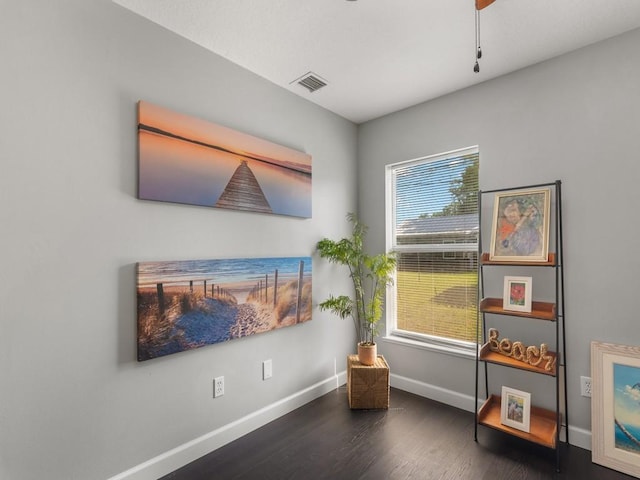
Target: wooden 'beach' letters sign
[(184, 159), (188, 304)]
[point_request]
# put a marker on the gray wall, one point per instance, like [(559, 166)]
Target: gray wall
[(575, 118), (74, 402)]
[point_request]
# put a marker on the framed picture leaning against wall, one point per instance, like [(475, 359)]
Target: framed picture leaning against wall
[(615, 407)]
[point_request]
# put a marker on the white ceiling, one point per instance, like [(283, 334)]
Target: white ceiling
[(380, 56)]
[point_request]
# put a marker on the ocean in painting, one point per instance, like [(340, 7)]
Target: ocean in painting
[(623, 442), (626, 389), (223, 271), (188, 304)]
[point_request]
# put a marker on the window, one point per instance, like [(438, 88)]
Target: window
[(432, 225)]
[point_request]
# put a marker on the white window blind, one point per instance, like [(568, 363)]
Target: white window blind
[(434, 230)]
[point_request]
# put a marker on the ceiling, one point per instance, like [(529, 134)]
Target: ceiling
[(380, 56)]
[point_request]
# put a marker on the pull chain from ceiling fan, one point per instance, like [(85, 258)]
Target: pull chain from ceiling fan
[(476, 67), (479, 5)]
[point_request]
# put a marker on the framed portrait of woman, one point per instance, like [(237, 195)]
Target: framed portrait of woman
[(520, 228)]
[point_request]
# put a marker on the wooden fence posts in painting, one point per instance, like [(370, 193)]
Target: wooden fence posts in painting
[(160, 298), (216, 291), (299, 300), (275, 290), (261, 289)]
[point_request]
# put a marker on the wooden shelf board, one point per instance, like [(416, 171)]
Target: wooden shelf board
[(539, 310), (551, 261), (487, 355), (543, 423)]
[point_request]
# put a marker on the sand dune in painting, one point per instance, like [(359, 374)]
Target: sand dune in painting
[(182, 318)]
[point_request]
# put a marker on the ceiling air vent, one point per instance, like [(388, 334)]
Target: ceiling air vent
[(311, 82)]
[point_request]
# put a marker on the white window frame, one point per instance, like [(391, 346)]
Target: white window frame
[(393, 334)]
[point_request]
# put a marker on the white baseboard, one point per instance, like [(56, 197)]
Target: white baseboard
[(439, 394), (180, 456), (175, 458), (580, 437), (577, 436)]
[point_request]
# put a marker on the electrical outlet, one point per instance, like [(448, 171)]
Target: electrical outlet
[(218, 387), (267, 369), (585, 386)]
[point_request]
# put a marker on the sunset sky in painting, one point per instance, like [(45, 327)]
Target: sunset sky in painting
[(181, 171)]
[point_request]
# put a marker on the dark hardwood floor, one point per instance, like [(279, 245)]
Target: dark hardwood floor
[(416, 438)]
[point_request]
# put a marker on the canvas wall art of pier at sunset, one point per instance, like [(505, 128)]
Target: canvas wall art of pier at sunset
[(183, 159)]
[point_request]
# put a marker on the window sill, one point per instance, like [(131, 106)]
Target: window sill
[(424, 342)]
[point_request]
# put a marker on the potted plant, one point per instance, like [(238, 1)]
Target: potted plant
[(370, 274)]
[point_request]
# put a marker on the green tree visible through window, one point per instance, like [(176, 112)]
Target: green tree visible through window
[(465, 193)]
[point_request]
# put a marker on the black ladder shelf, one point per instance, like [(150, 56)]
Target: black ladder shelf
[(545, 424)]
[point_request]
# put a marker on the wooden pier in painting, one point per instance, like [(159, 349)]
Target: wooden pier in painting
[(243, 192), (187, 160)]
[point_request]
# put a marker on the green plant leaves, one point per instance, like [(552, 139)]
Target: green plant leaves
[(370, 276)]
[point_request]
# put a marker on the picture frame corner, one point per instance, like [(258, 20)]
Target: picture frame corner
[(619, 452)]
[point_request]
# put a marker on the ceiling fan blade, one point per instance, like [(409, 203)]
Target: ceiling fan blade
[(480, 4)]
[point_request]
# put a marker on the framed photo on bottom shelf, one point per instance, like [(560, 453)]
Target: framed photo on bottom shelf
[(517, 294), (615, 407), (515, 409)]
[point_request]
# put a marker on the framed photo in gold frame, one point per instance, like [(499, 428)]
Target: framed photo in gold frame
[(520, 228)]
